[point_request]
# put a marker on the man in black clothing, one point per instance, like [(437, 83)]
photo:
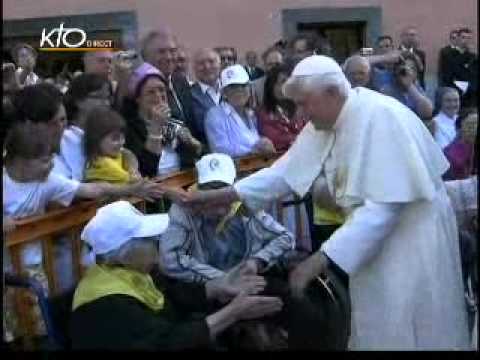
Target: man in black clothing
[(446, 60), (251, 67), (409, 41), (464, 68)]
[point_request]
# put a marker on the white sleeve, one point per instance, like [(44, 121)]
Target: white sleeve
[(258, 190), (360, 238), (61, 189)]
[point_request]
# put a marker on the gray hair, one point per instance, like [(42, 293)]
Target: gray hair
[(354, 59), (121, 255), (309, 83)]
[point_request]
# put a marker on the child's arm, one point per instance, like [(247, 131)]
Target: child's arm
[(130, 163), (143, 189)]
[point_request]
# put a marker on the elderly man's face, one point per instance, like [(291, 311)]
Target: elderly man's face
[(100, 63), (207, 67), (320, 106), (464, 40), (273, 59), (300, 49), (358, 73), (227, 58), (182, 61), (384, 47), (251, 59), (214, 214), (161, 52), (410, 37)]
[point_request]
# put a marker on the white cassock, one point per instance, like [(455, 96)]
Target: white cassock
[(399, 243)]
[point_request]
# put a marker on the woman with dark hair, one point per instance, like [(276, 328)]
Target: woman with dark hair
[(86, 92), (276, 118), (278, 122), (161, 144)]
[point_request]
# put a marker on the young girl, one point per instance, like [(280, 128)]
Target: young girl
[(107, 159), (29, 186)]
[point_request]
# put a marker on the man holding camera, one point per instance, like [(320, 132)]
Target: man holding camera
[(405, 87)]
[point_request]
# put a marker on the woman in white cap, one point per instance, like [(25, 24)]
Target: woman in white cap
[(231, 127), (117, 305), (371, 158)]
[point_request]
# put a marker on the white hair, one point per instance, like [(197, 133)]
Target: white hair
[(354, 59), (309, 83)]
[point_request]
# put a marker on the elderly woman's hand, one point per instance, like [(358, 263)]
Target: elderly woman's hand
[(159, 114), (233, 283), (247, 307)]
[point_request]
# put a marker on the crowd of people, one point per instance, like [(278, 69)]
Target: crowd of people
[(222, 265)]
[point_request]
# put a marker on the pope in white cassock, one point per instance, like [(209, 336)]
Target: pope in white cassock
[(370, 157)]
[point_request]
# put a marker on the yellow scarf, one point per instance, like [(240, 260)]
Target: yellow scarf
[(103, 280), (322, 216), (107, 169)]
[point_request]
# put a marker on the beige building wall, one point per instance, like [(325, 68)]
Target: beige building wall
[(254, 24)]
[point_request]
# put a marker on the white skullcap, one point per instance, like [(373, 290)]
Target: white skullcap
[(316, 65)]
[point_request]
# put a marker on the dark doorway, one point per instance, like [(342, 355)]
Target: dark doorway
[(345, 38)]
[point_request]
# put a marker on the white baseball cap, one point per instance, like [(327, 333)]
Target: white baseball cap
[(316, 65), (216, 167), (116, 223), (234, 74)]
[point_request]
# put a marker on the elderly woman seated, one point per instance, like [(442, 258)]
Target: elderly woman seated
[(118, 306)]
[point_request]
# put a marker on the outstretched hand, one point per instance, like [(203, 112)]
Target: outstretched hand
[(199, 200), (305, 272)]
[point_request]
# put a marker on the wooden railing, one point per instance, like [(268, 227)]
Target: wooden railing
[(69, 222)]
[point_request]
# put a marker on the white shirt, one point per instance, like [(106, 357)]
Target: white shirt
[(22, 200), (215, 95), (169, 161), (228, 133), (445, 131), (70, 162)]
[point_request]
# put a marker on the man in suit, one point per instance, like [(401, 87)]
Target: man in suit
[(159, 48), (465, 67), (271, 57), (253, 70), (409, 41), (446, 59), (206, 91)]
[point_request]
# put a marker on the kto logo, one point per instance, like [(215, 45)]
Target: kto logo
[(71, 39)]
